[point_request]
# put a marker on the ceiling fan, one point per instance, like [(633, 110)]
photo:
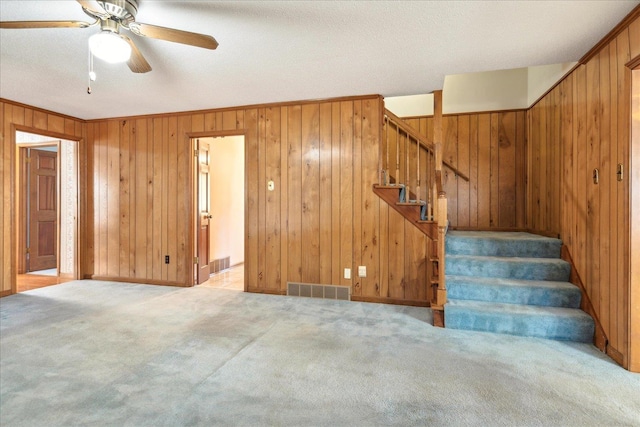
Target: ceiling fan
[(109, 44)]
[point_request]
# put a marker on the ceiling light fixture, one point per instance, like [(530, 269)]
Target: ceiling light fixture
[(110, 47)]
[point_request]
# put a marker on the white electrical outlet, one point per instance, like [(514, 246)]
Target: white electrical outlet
[(347, 273), (362, 271)]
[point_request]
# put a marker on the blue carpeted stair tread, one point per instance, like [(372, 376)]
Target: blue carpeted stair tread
[(510, 244), (512, 283), (514, 291), (553, 269), (558, 323)]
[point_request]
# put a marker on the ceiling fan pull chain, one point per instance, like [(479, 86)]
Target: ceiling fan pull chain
[(92, 74)]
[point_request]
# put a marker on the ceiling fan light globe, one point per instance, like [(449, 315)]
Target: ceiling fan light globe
[(109, 47)]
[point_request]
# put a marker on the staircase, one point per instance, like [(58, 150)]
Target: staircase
[(512, 283)]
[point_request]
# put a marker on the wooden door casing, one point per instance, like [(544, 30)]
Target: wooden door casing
[(203, 197)]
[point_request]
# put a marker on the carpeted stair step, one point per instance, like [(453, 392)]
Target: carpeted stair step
[(566, 324), (514, 291), (509, 244), (508, 267)]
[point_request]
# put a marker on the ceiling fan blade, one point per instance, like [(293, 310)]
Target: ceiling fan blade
[(44, 24), (94, 7), (172, 35), (136, 62)]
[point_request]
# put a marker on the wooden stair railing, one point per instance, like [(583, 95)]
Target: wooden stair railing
[(416, 190)]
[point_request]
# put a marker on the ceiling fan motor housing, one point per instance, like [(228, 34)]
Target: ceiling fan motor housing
[(123, 11)]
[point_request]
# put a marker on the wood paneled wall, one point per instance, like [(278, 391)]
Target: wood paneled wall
[(322, 216), (34, 120), (581, 125), (491, 149)]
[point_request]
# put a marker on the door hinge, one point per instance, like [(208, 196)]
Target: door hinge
[(620, 172), (196, 260), (28, 251), (27, 159), (195, 153)]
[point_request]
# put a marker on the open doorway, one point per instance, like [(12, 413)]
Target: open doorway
[(46, 210), (220, 212)]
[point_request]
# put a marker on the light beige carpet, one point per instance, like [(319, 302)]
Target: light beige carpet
[(101, 353)]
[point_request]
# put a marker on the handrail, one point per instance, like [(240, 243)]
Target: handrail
[(429, 196), (406, 127)]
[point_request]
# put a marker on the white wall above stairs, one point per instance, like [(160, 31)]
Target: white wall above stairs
[(497, 90)]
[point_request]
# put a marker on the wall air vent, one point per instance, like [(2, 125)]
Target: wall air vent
[(319, 291)]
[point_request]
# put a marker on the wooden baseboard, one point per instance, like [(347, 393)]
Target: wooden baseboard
[(438, 317), (381, 300), (615, 355), (139, 281), (266, 291), (5, 293), (600, 339)]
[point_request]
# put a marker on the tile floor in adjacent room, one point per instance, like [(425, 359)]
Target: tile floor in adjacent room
[(231, 278)]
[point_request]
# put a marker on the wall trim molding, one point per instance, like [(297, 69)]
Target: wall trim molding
[(42, 110), (238, 108), (137, 281)]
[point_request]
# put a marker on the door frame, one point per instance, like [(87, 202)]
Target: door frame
[(193, 187), (633, 326), (23, 198), (80, 192)]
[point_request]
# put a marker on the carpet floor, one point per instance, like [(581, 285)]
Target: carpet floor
[(104, 353)]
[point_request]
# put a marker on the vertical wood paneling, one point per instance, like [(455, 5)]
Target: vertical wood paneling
[(294, 214), (588, 119), (494, 172), (473, 171), (156, 272), (450, 154), (310, 193), (397, 251), (592, 275), (484, 171), (140, 201), (172, 199), (125, 203), (607, 178), (336, 174), (357, 194), (90, 222), (284, 206), (507, 170), (272, 200), (252, 271), (464, 147), (370, 202), (325, 156), (624, 45), (262, 195), (346, 188)]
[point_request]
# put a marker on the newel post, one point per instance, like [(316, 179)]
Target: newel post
[(440, 297)]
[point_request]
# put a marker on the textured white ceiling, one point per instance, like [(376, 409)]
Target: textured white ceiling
[(274, 51)]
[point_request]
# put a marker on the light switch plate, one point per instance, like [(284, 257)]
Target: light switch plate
[(347, 273)]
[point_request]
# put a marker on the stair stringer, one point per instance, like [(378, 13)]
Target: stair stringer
[(410, 211)]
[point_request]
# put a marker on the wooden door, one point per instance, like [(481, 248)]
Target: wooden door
[(204, 196), (43, 224)]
